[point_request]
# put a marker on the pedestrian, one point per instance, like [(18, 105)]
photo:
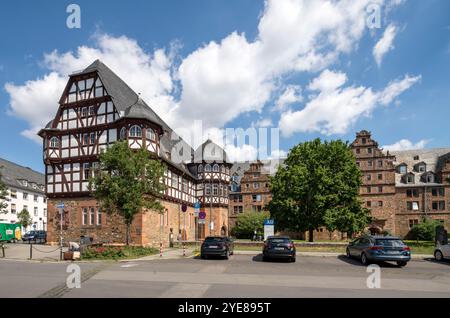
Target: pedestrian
[(171, 238)]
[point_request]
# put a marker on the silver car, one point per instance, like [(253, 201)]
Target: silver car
[(441, 252)]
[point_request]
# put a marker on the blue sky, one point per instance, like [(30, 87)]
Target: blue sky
[(193, 66)]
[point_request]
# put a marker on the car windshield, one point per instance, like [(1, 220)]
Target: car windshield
[(280, 240), (214, 239), (31, 233), (389, 243)]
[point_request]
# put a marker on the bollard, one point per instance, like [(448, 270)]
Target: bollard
[(160, 250), (31, 250), (184, 250), (3, 250)]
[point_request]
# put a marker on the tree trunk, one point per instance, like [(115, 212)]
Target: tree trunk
[(311, 235), (127, 239)]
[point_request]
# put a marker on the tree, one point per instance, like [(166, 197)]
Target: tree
[(24, 218), (3, 196), (318, 185), (126, 182), (248, 222)]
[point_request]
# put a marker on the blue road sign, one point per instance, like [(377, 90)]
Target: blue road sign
[(269, 222), (60, 206), (197, 205)]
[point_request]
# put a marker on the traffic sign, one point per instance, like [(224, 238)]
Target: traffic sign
[(60, 206), (197, 205), (202, 215), (201, 221), (184, 207)]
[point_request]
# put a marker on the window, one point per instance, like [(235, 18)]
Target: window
[(208, 168), (25, 196), (369, 189), (185, 186), (35, 211), (175, 181), (45, 213), (364, 140), (358, 164), (380, 163), (412, 193), (200, 169), (36, 198), (380, 189), (256, 198), (402, 169), (369, 177), (86, 139), (13, 208), (123, 133), (247, 185), (99, 216), (380, 203), (25, 207), (86, 169), (412, 206), (85, 216), (256, 185), (438, 192), (422, 168), (369, 204), (54, 142), (412, 223), (13, 194), (215, 189), (369, 163), (135, 132), (208, 189), (358, 151), (91, 110), (410, 178), (84, 112), (92, 138), (221, 190), (438, 205), (430, 178), (369, 150), (92, 217), (150, 134), (216, 168), (380, 176)]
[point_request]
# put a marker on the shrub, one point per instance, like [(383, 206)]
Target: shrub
[(116, 252), (248, 222), (425, 230)]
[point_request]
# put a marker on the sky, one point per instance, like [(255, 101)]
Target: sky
[(300, 69)]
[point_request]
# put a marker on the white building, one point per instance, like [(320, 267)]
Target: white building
[(26, 191)]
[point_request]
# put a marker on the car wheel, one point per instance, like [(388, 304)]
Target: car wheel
[(293, 260), (364, 259), (438, 256), (264, 258), (347, 252), (401, 263)]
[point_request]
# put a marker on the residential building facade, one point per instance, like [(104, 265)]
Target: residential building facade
[(26, 190)]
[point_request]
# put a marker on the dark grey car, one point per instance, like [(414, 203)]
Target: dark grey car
[(217, 246), (371, 249)]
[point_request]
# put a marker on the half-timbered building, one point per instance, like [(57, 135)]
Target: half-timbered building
[(96, 109)]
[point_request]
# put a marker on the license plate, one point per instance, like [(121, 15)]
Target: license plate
[(213, 246), (279, 248), (392, 252)]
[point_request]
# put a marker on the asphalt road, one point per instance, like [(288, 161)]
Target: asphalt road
[(241, 276)]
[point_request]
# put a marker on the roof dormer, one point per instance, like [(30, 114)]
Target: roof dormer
[(428, 177), (409, 178), (420, 167), (402, 168)]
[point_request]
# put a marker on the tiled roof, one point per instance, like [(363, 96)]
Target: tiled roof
[(13, 175)]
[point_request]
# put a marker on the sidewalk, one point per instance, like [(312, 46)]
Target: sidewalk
[(40, 252), (169, 253)]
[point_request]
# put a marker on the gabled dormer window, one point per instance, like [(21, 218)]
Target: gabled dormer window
[(402, 169), (429, 177), (150, 133), (216, 168), (200, 169), (421, 167), (410, 178), (208, 168)]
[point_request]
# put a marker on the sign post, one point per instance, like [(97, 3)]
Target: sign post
[(269, 228), (60, 207)]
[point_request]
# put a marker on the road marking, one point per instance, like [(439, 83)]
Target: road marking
[(186, 291), (129, 265)]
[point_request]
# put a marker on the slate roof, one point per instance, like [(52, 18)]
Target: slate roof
[(209, 151), (433, 158), (13, 174)]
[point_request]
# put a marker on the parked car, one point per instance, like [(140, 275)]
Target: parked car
[(217, 246), (35, 236), (279, 247), (441, 252), (369, 248)]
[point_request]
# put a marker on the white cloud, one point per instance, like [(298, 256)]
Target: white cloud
[(292, 94), (263, 123), (335, 108), (406, 144), (218, 81), (385, 44)]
